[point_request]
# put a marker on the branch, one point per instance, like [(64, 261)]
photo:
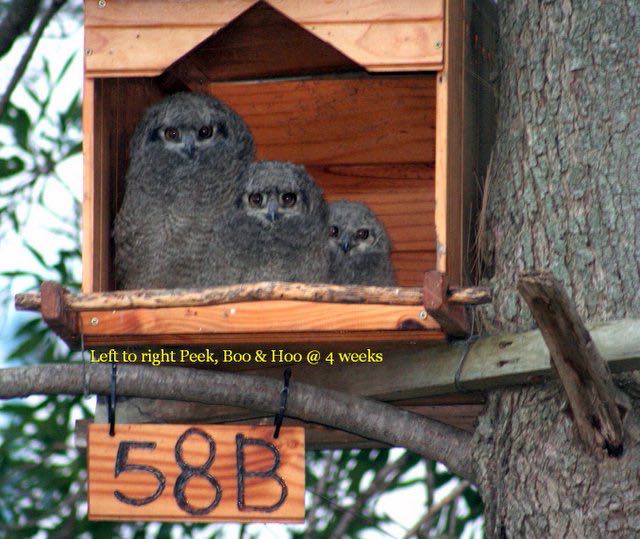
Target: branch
[(385, 476), (28, 53), (17, 20), (435, 508), (585, 376), (364, 417), (270, 290), (319, 496)]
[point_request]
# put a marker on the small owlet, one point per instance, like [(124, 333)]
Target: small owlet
[(278, 230), (187, 156), (359, 246)]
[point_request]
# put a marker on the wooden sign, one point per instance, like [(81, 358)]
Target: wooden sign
[(204, 473)]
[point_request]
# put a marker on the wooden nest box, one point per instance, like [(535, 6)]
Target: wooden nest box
[(384, 102)]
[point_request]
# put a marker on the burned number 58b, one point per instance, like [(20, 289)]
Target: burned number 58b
[(189, 470)]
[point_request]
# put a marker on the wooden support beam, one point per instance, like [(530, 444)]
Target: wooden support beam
[(324, 293), (423, 370), (597, 405), (420, 369), (56, 314), (437, 302)]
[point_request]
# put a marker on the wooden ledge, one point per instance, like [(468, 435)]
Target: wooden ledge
[(267, 313)]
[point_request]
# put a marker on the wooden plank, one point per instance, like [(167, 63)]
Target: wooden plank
[(141, 52), (88, 198), (449, 150), (253, 317), (192, 467), (411, 265), (95, 203), (451, 318), (344, 121), (296, 340), (142, 45), (56, 314), (259, 45), (164, 13), (415, 369), (597, 405), (360, 11), (380, 46), (145, 13)]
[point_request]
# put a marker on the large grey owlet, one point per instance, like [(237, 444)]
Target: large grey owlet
[(278, 231), (186, 158), (359, 246)]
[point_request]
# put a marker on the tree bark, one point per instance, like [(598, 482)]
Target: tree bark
[(563, 196)]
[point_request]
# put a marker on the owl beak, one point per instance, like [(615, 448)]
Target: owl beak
[(345, 245), (272, 211), (189, 148)]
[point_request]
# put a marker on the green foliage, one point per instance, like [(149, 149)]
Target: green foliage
[(339, 484)]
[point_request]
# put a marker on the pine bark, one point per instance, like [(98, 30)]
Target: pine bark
[(564, 196)]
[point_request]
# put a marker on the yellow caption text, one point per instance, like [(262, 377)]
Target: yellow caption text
[(268, 356)]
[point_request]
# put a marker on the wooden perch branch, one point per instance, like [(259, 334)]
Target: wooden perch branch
[(364, 417), (585, 376), (150, 299)]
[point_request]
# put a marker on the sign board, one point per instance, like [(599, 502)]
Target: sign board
[(203, 473)]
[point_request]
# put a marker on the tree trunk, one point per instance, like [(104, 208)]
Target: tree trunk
[(563, 195)]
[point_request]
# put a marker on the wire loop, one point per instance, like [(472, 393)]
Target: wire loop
[(111, 402), (284, 395)]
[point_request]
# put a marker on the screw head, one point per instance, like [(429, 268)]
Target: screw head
[(102, 3), (438, 44), (93, 321), (423, 315)]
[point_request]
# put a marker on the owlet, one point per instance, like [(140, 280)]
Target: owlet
[(359, 246), (186, 158)]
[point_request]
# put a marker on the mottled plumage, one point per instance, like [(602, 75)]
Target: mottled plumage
[(278, 230), (187, 156), (359, 246)]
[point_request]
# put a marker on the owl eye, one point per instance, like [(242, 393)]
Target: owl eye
[(362, 234), (172, 134), (255, 200), (333, 232), (205, 132), (288, 199)]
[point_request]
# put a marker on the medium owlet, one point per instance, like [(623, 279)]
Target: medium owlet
[(186, 158), (359, 246), (278, 231)]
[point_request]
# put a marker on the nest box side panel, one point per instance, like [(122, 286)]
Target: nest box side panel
[(480, 35), (111, 109), (449, 147), (465, 128)]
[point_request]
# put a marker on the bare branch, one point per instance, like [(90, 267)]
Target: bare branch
[(19, 15), (270, 290), (364, 417), (385, 476), (584, 374), (28, 53), (435, 508)]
